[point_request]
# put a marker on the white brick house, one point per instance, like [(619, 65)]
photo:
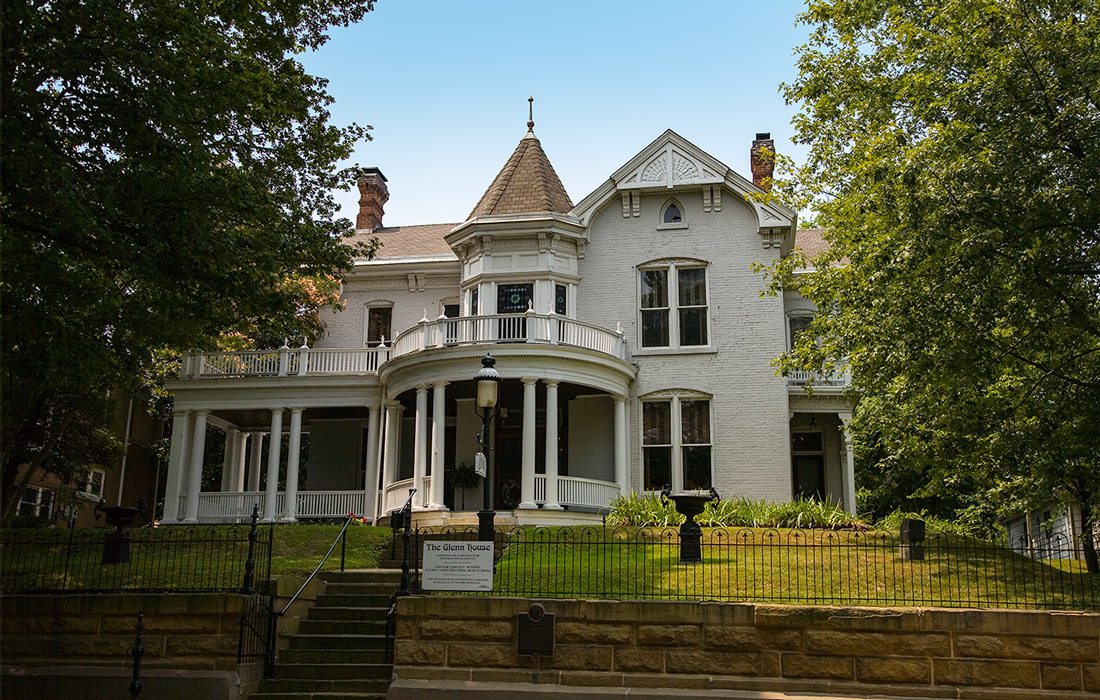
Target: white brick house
[(635, 346)]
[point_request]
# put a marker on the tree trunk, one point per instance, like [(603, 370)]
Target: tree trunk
[(1088, 541)]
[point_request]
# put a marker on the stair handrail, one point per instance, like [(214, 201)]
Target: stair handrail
[(403, 589), (274, 615), (339, 536)]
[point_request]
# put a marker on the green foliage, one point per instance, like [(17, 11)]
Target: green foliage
[(954, 162), (168, 171), (800, 513), (643, 510), (932, 524)]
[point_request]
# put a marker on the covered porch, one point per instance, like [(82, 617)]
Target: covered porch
[(305, 433)]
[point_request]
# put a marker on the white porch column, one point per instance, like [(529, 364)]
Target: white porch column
[(420, 444), (551, 501), (622, 478), (389, 454), (272, 486), (228, 459), (239, 457), (254, 466), (178, 460), (848, 468), (293, 457), (439, 444), (527, 463), (194, 474), (370, 485)]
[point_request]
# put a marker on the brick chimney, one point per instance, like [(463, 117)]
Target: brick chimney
[(373, 195), (762, 168)]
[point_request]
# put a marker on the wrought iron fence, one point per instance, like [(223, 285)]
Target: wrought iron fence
[(823, 567), (199, 559)]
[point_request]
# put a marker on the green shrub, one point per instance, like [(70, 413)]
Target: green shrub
[(932, 524), (641, 510)]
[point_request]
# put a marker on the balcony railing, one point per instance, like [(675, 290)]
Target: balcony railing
[(830, 379), (549, 329), (283, 362), (529, 327)]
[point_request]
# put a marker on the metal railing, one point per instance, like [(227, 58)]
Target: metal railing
[(179, 559), (273, 615), (815, 567)]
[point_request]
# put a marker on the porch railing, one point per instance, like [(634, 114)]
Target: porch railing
[(578, 491), (283, 362), (310, 504), (800, 377), (527, 327)]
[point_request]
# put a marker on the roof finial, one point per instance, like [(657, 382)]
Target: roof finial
[(530, 113)]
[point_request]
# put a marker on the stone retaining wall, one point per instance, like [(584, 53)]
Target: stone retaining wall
[(932, 652), (77, 645)]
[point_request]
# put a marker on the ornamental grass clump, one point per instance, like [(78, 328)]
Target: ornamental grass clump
[(800, 514), (643, 510)]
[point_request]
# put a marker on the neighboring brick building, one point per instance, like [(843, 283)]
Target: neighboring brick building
[(49, 500), (635, 345)]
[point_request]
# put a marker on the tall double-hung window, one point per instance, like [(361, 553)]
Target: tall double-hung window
[(673, 305), (676, 443)]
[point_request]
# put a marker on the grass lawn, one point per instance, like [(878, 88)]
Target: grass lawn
[(789, 566), (749, 564), (208, 557)]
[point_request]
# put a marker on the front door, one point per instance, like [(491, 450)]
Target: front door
[(808, 464)]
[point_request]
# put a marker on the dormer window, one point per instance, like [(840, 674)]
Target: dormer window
[(672, 215)]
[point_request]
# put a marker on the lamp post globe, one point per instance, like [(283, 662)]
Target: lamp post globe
[(488, 391)]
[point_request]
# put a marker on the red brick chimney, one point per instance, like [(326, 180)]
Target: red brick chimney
[(373, 195), (762, 168)]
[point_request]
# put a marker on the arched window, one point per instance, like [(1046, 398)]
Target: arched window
[(377, 322), (676, 441), (672, 214)]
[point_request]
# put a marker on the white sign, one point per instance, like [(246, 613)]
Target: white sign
[(457, 566), (480, 465)]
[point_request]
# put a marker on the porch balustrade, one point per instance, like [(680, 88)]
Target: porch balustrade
[(800, 377), (510, 328), (572, 491), (577, 491), (283, 362), (528, 327), (218, 506)]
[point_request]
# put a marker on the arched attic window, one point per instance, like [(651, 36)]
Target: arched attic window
[(672, 215)]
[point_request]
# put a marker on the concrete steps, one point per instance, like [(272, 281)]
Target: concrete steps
[(339, 650)]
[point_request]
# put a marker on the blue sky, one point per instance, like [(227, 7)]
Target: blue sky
[(445, 86)]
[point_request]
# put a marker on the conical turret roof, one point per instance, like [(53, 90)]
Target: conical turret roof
[(526, 184)]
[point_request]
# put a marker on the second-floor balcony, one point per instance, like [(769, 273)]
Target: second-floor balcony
[(819, 380), (546, 329)]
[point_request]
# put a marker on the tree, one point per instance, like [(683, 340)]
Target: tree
[(954, 161), (167, 172)]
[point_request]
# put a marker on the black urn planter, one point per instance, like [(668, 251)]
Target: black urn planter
[(116, 547), (689, 504)]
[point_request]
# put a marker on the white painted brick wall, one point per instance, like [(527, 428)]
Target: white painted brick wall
[(749, 407)]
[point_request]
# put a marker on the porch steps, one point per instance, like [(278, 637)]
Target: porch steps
[(339, 651)]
